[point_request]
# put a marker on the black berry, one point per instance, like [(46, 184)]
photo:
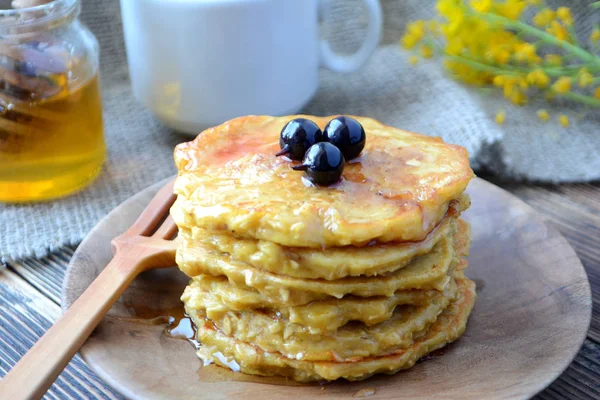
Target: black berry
[(323, 164), (347, 134), (297, 136)]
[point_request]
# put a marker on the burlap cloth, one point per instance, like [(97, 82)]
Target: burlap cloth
[(421, 99)]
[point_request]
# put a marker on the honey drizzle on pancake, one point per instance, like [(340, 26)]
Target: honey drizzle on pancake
[(358, 179)]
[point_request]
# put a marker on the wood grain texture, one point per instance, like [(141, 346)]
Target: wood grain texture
[(529, 321), (140, 248), (580, 381), (574, 210), (26, 314), (45, 274)]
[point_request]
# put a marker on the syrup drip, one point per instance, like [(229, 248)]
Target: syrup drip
[(178, 325), (182, 327)]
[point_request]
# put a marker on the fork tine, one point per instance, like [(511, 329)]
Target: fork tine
[(154, 212), (167, 229)]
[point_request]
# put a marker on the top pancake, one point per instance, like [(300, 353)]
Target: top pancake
[(399, 189)]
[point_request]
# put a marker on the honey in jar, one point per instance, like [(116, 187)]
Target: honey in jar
[(51, 131)]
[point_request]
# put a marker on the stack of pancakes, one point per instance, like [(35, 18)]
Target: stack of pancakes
[(361, 277)]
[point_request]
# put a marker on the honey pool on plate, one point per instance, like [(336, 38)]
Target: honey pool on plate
[(179, 326), (52, 146)]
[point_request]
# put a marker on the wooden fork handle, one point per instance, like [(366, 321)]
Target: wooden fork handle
[(38, 369)]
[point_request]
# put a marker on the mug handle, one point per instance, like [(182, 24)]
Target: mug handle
[(350, 63)]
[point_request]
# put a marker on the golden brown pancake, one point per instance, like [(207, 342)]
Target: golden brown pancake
[(361, 277), (274, 333), (429, 271), (309, 306), (218, 296), (399, 189), (329, 263), (462, 238), (238, 355)]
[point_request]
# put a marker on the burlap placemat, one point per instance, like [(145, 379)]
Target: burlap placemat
[(420, 98)]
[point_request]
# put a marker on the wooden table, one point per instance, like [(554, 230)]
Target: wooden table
[(30, 296)]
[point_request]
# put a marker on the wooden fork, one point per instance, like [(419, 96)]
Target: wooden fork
[(147, 244)]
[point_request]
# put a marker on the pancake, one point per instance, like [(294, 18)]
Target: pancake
[(462, 238), (217, 296), (304, 307), (316, 306), (429, 271), (399, 189), (329, 263), (229, 352), (354, 340), (273, 332)]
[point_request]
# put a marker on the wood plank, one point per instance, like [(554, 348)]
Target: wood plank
[(574, 209), (581, 380), (26, 315), (45, 274)]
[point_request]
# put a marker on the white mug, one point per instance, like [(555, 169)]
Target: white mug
[(198, 63)]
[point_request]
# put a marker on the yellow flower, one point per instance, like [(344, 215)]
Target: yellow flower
[(597, 92), (408, 41), (584, 78), (498, 55), (490, 51), (526, 52), (426, 51), (467, 74), (511, 9), (481, 5), (413, 35), (558, 30), (500, 117), (543, 115), (564, 120), (564, 13), (454, 12), (538, 78), (544, 17), (523, 84), (518, 97), (508, 89), (512, 87), (416, 28), (554, 60), (499, 80), (562, 85)]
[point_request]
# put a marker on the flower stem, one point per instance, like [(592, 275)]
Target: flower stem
[(574, 36), (588, 100), (522, 26), (516, 70), (480, 66)]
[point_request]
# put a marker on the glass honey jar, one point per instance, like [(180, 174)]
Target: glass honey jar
[(51, 130)]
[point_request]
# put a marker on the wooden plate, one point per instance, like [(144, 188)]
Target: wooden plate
[(530, 319)]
